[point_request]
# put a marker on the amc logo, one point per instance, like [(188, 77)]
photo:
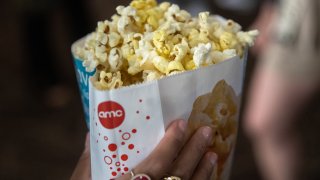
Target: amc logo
[(111, 114)]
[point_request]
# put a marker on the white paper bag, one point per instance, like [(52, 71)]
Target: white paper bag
[(127, 124)]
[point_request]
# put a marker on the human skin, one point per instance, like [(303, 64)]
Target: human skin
[(176, 154)]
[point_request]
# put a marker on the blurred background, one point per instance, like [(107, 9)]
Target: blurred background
[(42, 124)]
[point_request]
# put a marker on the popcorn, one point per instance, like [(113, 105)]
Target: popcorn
[(180, 50), (108, 80), (149, 75), (247, 37), (101, 27), (174, 66), (114, 39), (90, 64), (102, 38), (193, 37), (218, 110), (203, 22), (126, 22), (218, 56), (171, 12), (190, 65), (161, 64), (150, 41), (115, 60), (143, 4), (227, 40), (127, 11), (231, 26), (164, 6), (152, 20), (201, 55), (134, 66)]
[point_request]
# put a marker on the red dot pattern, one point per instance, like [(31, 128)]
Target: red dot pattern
[(107, 160), (113, 147), (126, 136), (124, 157), (131, 146)]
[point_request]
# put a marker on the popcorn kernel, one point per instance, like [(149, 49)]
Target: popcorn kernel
[(148, 41)]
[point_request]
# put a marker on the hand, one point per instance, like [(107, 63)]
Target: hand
[(176, 155), (83, 168)]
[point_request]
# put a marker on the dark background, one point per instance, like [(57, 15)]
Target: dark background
[(42, 125)]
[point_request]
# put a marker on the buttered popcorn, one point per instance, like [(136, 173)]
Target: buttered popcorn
[(146, 41)]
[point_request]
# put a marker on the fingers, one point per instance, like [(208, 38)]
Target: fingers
[(191, 161), (161, 159), (83, 170), (205, 168), (192, 153)]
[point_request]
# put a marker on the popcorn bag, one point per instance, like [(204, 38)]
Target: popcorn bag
[(127, 124), (153, 64)]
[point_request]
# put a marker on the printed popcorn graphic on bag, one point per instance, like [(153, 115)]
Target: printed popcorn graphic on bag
[(154, 63), (218, 110)]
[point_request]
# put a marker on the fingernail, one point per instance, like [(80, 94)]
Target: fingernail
[(207, 132), (182, 125), (213, 158)]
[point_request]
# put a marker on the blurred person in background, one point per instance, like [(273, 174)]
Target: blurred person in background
[(241, 11), (285, 80)]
